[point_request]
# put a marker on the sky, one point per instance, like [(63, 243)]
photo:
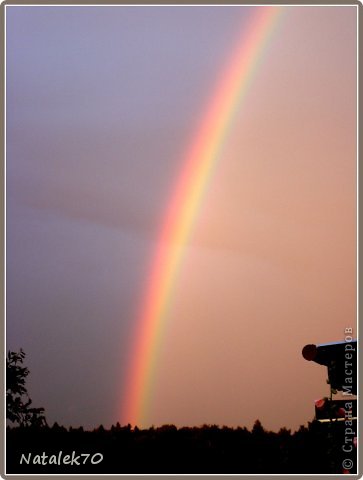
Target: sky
[(101, 105)]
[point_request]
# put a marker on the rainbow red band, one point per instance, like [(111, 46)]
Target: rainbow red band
[(197, 169)]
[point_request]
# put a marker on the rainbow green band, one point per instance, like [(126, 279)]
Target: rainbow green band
[(198, 166)]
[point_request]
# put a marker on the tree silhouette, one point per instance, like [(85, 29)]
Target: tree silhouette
[(18, 402), (257, 428)]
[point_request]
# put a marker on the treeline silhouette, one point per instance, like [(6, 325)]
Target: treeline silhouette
[(315, 449), (33, 447)]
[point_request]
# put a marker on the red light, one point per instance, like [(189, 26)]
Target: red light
[(341, 412), (320, 403)]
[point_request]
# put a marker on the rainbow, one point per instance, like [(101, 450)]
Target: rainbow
[(197, 168)]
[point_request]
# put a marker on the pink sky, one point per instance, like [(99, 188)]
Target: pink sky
[(272, 265)]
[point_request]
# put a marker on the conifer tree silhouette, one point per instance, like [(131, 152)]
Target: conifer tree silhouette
[(18, 402)]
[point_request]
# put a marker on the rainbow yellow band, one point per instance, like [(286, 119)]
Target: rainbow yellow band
[(198, 167)]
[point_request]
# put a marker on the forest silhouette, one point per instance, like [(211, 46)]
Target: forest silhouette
[(33, 447)]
